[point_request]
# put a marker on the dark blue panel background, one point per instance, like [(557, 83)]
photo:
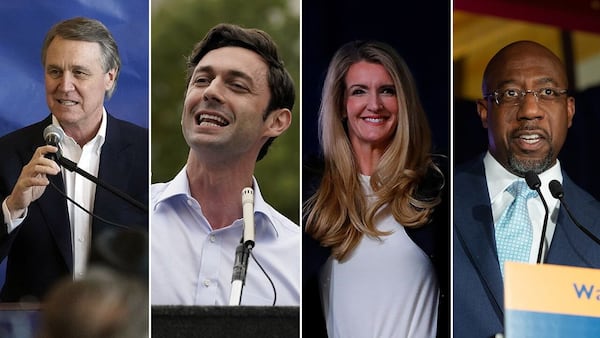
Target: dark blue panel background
[(420, 32), (23, 25)]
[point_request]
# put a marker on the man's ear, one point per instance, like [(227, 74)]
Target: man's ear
[(109, 79), (482, 111), (278, 122)]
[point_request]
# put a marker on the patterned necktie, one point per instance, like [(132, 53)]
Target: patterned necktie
[(513, 231)]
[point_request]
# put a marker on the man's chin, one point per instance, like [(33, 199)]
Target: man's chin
[(520, 165)]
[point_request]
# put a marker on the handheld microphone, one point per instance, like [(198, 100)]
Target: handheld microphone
[(534, 183), (557, 192), (53, 135), (248, 214)]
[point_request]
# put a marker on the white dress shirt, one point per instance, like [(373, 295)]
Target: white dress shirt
[(83, 191), (192, 264), (498, 179)]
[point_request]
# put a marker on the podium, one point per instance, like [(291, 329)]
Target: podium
[(19, 320), (548, 301), (173, 321)]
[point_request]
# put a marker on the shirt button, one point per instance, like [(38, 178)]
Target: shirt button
[(189, 202), (212, 238), (81, 239), (206, 282)]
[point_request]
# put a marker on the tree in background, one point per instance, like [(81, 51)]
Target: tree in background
[(176, 26)]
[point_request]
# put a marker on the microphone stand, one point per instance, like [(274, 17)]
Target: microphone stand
[(238, 279), (72, 166), (242, 252), (557, 192), (543, 235), (534, 183)]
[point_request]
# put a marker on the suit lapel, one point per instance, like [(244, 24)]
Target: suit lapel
[(474, 228), (53, 206), (113, 170), (570, 246)]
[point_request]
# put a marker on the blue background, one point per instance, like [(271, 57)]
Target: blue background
[(23, 26)]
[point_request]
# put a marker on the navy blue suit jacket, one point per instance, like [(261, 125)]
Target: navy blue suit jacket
[(477, 283), (39, 250)]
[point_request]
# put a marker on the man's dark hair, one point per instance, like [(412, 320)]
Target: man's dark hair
[(229, 35)]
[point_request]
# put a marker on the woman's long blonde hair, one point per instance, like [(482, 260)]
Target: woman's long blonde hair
[(338, 214)]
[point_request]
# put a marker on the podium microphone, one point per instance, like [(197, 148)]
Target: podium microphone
[(557, 192), (242, 252), (248, 214), (534, 183)]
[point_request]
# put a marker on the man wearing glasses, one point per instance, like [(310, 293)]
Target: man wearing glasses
[(527, 112)]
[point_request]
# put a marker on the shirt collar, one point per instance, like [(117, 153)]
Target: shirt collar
[(180, 187), (498, 178), (97, 140)]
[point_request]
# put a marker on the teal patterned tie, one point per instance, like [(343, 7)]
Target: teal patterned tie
[(513, 231)]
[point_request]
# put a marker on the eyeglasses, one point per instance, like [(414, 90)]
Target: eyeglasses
[(515, 97)]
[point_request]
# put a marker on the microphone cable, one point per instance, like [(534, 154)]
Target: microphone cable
[(62, 193), (267, 275)]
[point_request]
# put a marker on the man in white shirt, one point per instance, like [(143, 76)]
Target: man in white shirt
[(239, 98), (45, 236)]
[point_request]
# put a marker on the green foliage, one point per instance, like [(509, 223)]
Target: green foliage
[(176, 26)]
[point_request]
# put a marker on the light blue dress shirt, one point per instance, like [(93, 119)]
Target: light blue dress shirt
[(192, 264)]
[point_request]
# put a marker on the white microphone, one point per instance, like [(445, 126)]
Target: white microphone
[(248, 214), (240, 264)]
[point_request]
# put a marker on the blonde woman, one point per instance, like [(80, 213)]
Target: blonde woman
[(370, 249)]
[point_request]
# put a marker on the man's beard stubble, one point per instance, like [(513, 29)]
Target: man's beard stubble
[(520, 167)]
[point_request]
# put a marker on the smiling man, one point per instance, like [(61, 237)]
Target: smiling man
[(239, 98), (527, 112), (45, 236)]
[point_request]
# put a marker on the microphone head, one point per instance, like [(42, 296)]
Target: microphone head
[(533, 180), (556, 189), (53, 135), (247, 195)]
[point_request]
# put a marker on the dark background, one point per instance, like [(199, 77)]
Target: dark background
[(419, 31), (577, 156)]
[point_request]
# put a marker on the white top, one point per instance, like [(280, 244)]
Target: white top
[(386, 288), (192, 264), (498, 179)]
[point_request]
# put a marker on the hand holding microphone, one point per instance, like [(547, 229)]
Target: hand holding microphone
[(33, 180)]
